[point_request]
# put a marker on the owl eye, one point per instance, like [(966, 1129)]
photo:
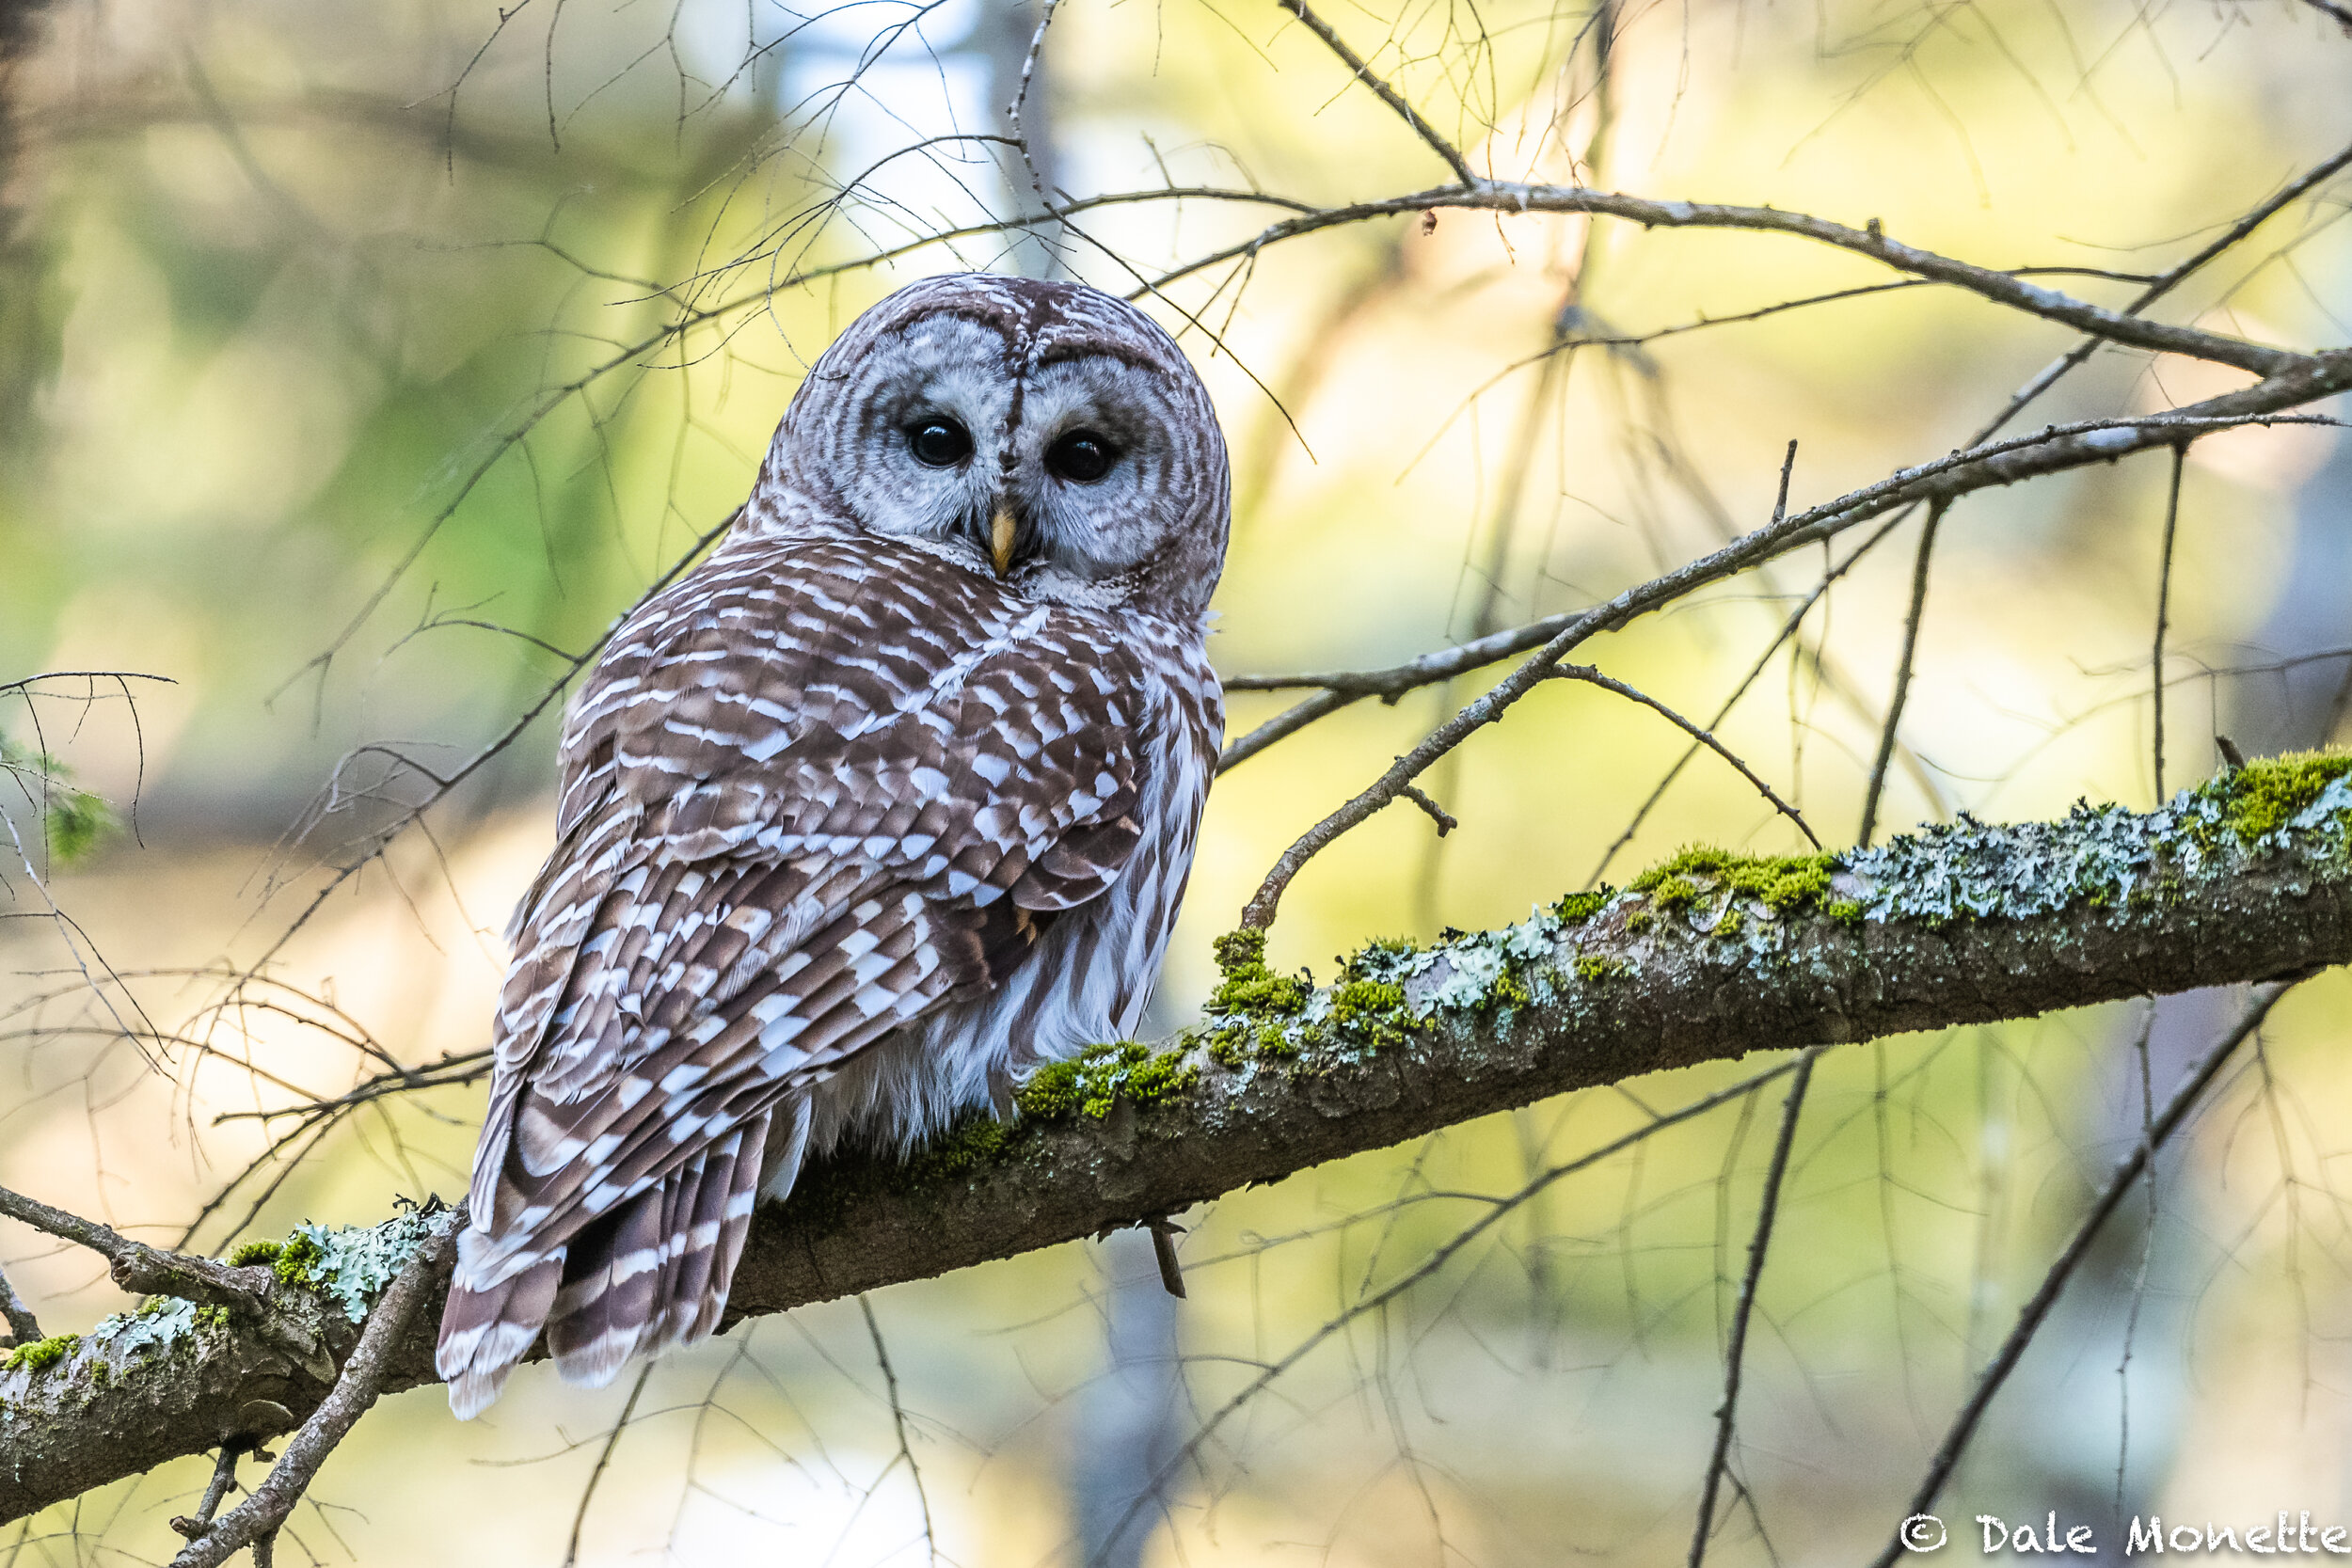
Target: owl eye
[(938, 443), (1081, 455)]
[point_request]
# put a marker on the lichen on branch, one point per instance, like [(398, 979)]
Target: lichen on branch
[(1710, 955)]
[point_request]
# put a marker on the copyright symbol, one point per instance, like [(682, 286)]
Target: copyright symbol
[(1921, 1532)]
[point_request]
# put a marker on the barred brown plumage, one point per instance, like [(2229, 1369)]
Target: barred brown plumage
[(871, 811)]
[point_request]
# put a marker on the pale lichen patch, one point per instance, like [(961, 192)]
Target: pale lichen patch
[(159, 1322), (352, 1263)]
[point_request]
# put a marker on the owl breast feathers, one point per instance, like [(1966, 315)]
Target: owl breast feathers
[(892, 797)]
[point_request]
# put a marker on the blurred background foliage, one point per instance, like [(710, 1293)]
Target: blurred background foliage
[(359, 363)]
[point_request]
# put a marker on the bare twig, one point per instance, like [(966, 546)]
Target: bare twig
[(2001, 462), (2147, 1256), (1164, 1233), (1591, 676), (1902, 673), (2163, 610), (1735, 1351), (2001, 288), (1388, 94), (2160, 1127), (1438, 1259), (25, 683), (2334, 11), (2051, 450), (1756, 669), (604, 1457), (257, 1519), (1437, 812), (2173, 277), (1014, 110), (217, 1492), (142, 1269), (898, 1420), (24, 1328), (463, 1067)]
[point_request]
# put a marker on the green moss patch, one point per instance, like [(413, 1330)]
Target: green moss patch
[(1260, 1010), (1095, 1080), (1577, 908), (42, 1355), (1668, 891), (295, 1258), (1786, 885), (2270, 792), (1249, 989)]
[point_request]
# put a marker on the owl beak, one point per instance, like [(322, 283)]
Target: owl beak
[(1000, 535)]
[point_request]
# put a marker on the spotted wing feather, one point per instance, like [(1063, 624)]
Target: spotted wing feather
[(814, 794)]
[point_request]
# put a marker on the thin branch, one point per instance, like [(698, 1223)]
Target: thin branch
[(2262, 213), (1990, 283), (1020, 100), (604, 1457), (2159, 1130), (899, 1420), (1389, 95), (1756, 669), (1903, 666), (1735, 1352), (1438, 1259), (217, 1492), (1435, 812), (257, 1519), (2055, 447), (1591, 676), (2163, 610), (141, 1269), (1988, 464), (467, 1067), (25, 682), (24, 1328), (2339, 14), (1703, 322)]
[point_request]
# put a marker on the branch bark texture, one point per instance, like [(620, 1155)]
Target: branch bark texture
[(1708, 957)]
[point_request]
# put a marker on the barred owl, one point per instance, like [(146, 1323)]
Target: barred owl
[(891, 797)]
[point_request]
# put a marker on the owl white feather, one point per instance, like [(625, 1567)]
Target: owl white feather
[(892, 797)]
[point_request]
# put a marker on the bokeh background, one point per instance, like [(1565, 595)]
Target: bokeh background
[(361, 362)]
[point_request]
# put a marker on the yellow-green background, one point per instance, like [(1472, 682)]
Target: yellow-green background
[(271, 302)]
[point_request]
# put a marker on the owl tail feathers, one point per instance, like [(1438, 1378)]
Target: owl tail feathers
[(485, 1328), (655, 1272), (651, 1272)]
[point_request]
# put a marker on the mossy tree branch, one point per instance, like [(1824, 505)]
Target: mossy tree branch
[(1708, 957)]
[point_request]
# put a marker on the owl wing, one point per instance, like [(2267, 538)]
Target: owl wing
[(812, 792)]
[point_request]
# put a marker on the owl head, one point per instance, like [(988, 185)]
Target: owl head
[(1045, 434)]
